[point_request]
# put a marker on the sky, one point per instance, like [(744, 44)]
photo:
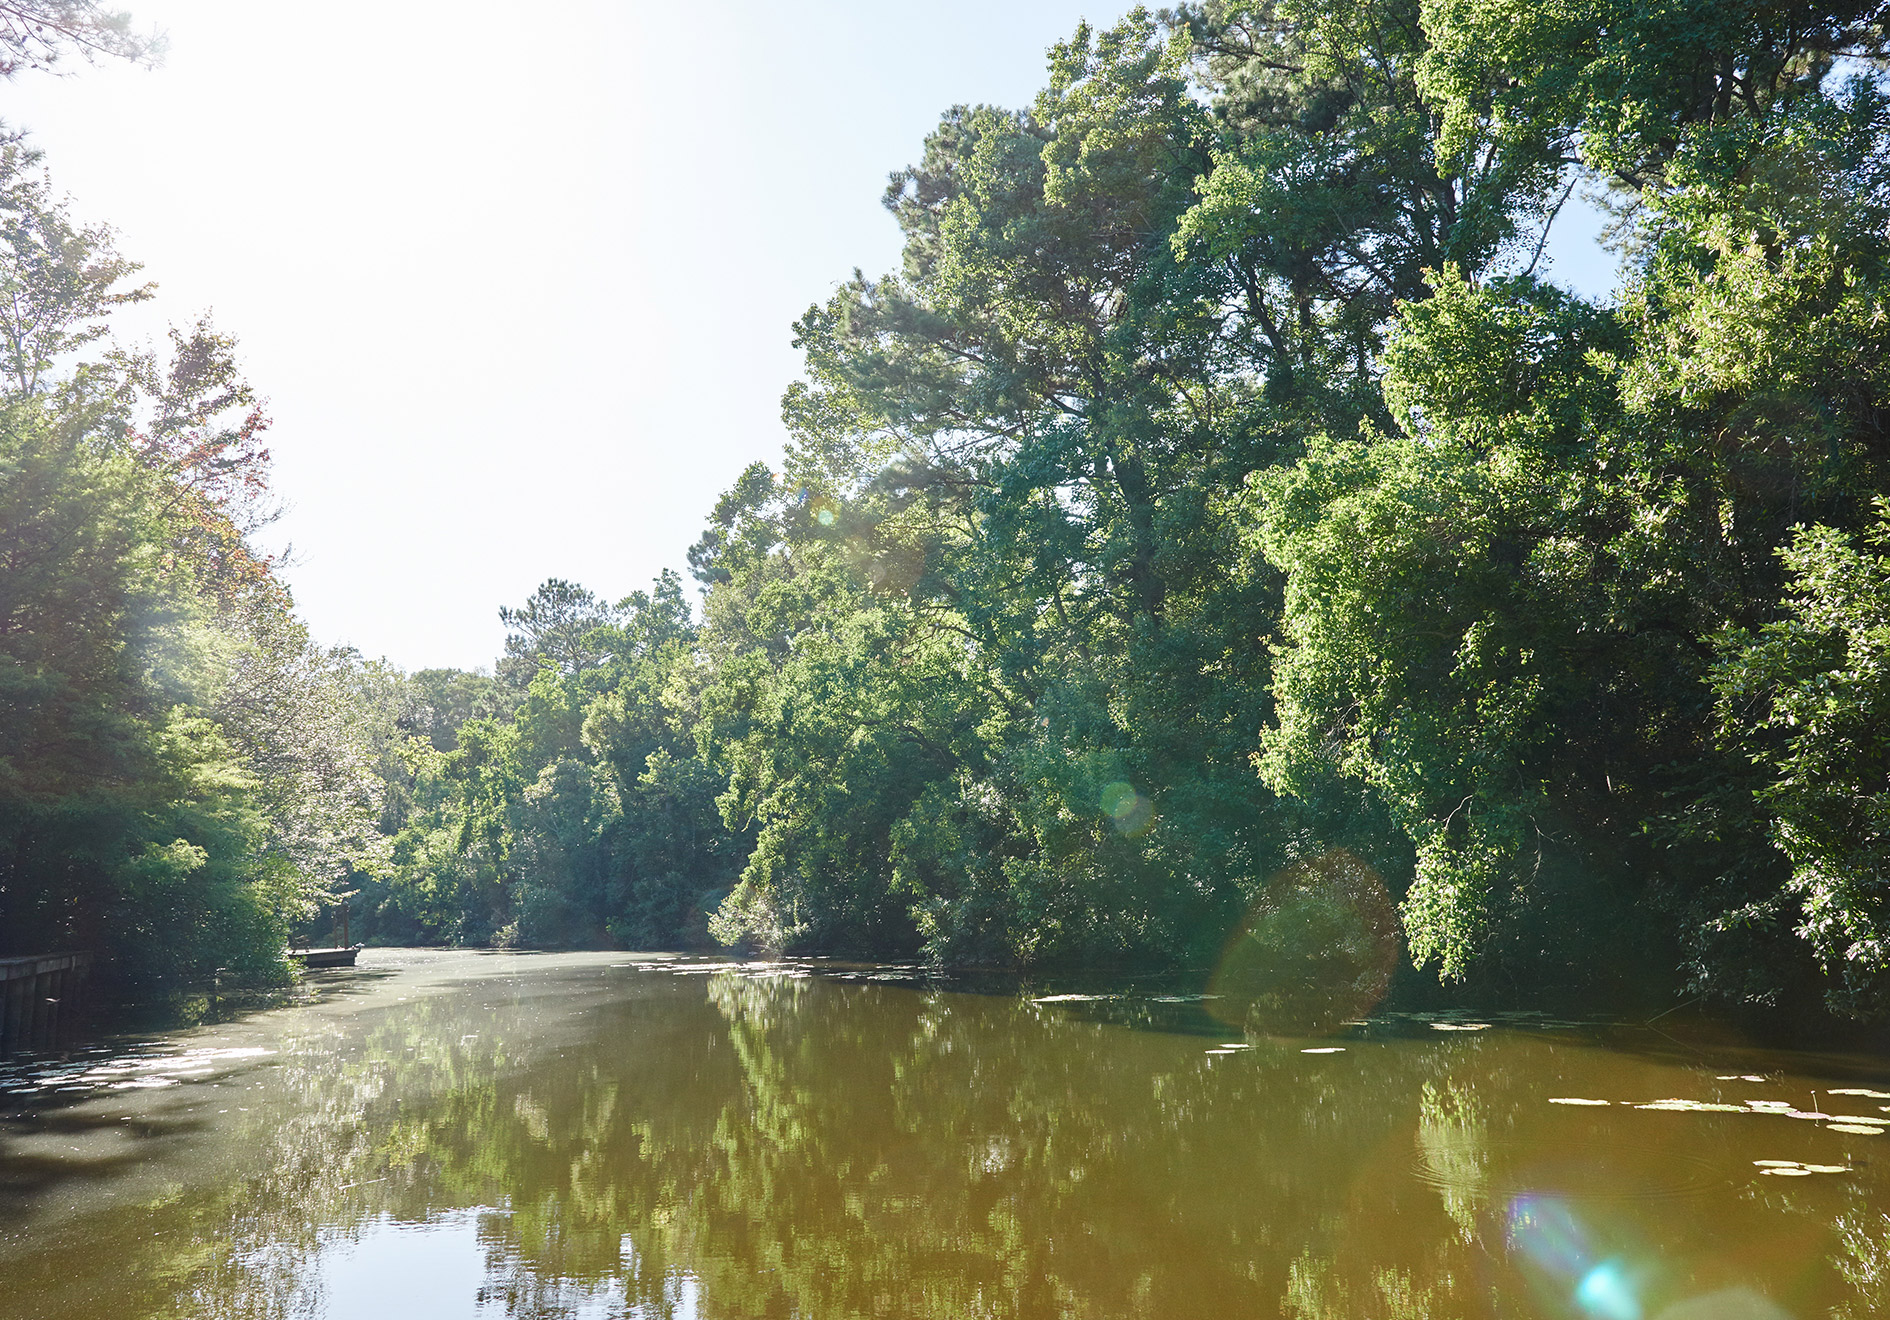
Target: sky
[(518, 281)]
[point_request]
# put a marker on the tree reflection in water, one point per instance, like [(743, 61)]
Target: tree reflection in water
[(761, 1143)]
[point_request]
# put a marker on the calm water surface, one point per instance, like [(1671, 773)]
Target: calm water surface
[(465, 1135)]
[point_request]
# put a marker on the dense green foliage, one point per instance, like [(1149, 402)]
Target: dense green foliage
[(1217, 485), (564, 801)]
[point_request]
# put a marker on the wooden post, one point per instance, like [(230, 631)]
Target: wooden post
[(17, 990), (39, 1010), (54, 997)]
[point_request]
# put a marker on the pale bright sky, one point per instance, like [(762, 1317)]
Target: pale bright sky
[(516, 280)]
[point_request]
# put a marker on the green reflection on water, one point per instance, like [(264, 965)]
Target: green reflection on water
[(564, 1137)]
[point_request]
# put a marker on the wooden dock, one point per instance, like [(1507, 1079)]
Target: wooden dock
[(39, 999)]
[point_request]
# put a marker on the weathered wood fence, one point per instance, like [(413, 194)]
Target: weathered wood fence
[(39, 999)]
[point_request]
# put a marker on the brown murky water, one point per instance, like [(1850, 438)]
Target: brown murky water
[(463, 1135)]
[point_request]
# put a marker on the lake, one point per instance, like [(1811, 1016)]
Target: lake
[(462, 1134)]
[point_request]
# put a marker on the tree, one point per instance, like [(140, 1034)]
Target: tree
[(1807, 698), (552, 628), (1013, 468), (578, 812), (58, 281), (1501, 613), (184, 774), (37, 34)]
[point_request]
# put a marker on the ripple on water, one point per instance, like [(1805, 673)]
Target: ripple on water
[(1572, 1170)]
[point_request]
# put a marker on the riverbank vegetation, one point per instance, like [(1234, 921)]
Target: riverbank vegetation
[(1219, 483), (182, 770)]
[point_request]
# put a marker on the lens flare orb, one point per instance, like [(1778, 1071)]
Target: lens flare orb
[(1606, 1293), (1129, 811), (1317, 949)]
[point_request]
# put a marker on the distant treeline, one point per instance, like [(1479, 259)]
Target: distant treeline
[(564, 800), (1220, 483)]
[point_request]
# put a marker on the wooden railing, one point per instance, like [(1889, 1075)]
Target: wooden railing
[(39, 999)]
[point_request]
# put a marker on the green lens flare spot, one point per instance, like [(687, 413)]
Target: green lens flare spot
[(1126, 808)]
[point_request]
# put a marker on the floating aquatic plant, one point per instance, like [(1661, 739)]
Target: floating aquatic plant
[(1797, 1169)]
